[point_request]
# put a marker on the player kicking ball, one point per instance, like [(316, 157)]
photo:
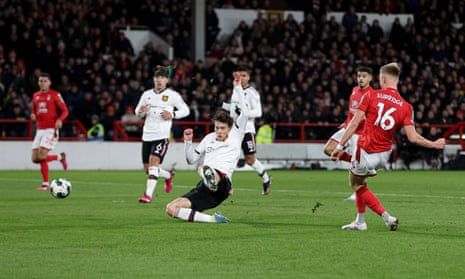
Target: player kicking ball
[(221, 150)]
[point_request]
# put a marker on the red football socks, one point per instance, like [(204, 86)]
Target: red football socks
[(44, 170), (51, 158), (369, 198)]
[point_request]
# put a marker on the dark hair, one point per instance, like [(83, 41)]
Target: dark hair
[(243, 68), (161, 71), (223, 116), (365, 70), (47, 75)]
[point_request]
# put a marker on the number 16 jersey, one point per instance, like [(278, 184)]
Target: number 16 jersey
[(385, 113)]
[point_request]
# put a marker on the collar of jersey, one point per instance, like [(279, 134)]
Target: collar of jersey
[(222, 140), (158, 92)]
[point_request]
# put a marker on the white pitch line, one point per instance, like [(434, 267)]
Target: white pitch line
[(258, 189)]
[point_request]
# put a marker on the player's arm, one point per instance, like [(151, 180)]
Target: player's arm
[(232, 107), (192, 154), (182, 109), (350, 130), (241, 120), (34, 111), (352, 127), (142, 108), (414, 137), (64, 112)]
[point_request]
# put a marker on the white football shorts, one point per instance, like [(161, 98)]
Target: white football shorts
[(45, 138), (364, 163)]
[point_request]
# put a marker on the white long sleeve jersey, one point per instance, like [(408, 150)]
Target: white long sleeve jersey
[(155, 127), (254, 105), (220, 155)]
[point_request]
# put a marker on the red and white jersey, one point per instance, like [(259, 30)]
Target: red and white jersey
[(45, 106), (354, 102), (385, 112)]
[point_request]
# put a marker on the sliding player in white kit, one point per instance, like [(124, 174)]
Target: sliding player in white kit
[(158, 106), (220, 151)]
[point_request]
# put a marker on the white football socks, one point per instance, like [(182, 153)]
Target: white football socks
[(185, 213), (152, 182), (258, 167), (360, 218), (385, 216), (163, 173)]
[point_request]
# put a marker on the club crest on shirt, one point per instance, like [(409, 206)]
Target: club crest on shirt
[(354, 104), (164, 98)]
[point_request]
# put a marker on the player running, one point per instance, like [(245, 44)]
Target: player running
[(46, 104)]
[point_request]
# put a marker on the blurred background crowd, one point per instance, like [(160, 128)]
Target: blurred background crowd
[(304, 70)]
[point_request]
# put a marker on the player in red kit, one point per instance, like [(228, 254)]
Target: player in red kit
[(385, 112), (46, 104), (364, 77)]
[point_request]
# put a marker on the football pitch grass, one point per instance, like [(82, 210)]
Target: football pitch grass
[(101, 231)]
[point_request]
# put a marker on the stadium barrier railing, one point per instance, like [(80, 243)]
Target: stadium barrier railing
[(74, 130), (13, 129)]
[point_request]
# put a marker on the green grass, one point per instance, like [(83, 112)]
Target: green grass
[(101, 231)]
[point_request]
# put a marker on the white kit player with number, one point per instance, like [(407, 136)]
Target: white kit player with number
[(254, 106), (155, 127), (159, 105)]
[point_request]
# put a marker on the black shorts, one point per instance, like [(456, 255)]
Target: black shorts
[(202, 198), (157, 148), (249, 145)]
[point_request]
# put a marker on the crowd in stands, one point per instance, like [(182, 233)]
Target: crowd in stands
[(303, 70)]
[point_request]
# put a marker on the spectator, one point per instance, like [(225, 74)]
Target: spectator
[(19, 128), (406, 151), (109, 116), (211, 23), (350, 19), (122, 44), (85, 108), (97, 131), (375, 32), (433, 157), (132, 129)]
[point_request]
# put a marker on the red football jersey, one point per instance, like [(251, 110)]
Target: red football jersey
[(45, 106), (385, 112), (354, 102)]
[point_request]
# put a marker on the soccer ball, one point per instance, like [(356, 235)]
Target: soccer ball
[(60, 188)]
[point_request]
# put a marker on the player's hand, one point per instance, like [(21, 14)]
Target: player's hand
[(58, 124), (188, 134), (336, 154), (145, 108), (237, 79), (166, 115), (439, 143)]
